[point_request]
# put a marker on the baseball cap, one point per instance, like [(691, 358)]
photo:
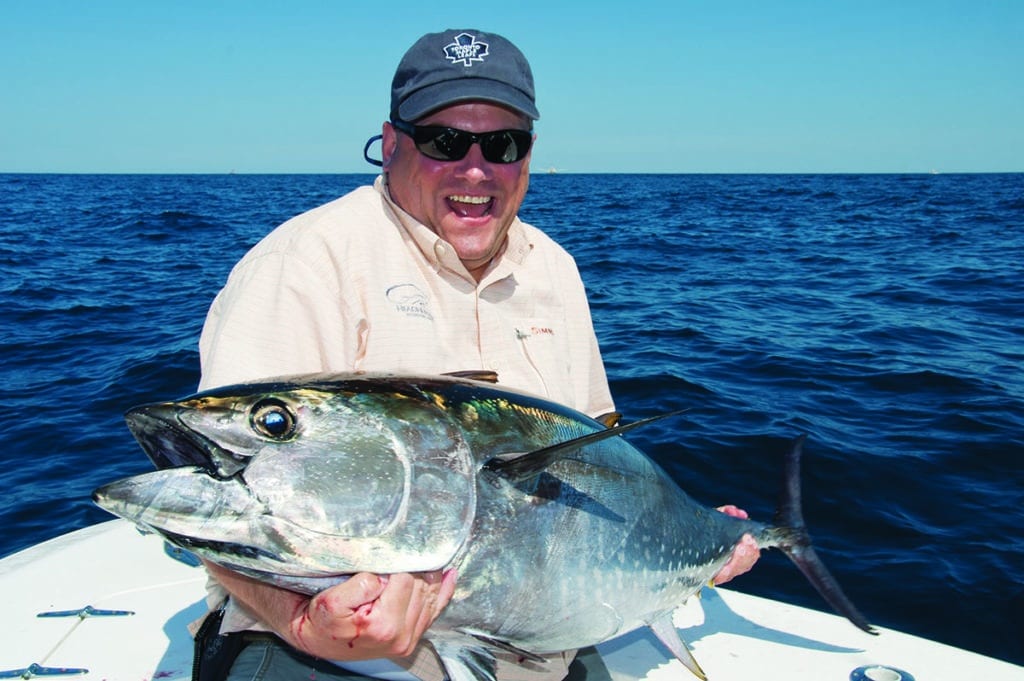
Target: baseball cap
[(461, 65)]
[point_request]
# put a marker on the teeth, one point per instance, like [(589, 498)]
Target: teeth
[(479, 200)]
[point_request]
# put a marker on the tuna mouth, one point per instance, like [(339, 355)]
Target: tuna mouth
[(171, 444), (221, 548), (469, 206)]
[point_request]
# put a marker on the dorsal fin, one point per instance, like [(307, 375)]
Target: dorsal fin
[(522, 467)]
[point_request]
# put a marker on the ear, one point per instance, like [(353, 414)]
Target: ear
[(389, 143)]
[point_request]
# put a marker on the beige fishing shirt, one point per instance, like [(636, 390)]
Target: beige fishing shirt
[(359, 285)]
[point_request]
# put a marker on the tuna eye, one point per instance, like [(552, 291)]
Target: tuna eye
[(272, 419)]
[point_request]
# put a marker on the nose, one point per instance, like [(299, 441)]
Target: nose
[(473, 166)]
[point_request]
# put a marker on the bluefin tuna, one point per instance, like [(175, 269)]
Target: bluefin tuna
[(564, 534)]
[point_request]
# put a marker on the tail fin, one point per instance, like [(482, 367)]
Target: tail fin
[(795, 542)]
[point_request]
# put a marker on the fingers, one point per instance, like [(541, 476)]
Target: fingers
[(410, 606), (734, 511), (428, 608), (430, 594), (359, 589), (447, 589), (371, 616), (744, 555)]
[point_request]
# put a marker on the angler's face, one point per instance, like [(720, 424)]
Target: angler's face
[(470, 202)]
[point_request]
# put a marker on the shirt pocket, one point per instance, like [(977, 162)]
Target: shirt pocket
[(545, 351)]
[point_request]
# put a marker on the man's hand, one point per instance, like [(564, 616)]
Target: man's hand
[(743, 556), (365, 617), (371, 616)]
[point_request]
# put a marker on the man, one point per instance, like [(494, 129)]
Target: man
[(428, 271)]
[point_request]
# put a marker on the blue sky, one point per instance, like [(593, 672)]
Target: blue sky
[(637, 86)]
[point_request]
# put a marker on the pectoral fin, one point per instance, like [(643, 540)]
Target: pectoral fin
[(465, 663), (475, 374), (506, 646)]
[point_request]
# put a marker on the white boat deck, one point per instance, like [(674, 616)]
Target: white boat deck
[(111, 567)]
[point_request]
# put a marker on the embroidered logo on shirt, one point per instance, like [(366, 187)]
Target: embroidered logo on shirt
[(522, 333), (409, 300), (465, 49)]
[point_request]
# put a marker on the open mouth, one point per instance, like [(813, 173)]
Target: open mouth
[(468, 206), (166, 442), (170, 444)]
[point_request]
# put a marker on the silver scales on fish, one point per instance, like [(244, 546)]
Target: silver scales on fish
[(564, 535)]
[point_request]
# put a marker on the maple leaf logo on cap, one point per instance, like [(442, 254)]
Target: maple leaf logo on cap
[(465, 49)]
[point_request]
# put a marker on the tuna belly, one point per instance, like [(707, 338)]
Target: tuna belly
[(584, 553)]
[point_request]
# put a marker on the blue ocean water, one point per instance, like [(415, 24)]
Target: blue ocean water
[(883, 315)]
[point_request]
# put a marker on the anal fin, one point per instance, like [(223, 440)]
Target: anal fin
[(667, 633)]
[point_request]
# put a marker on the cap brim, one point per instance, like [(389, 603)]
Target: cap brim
[(437, 96)]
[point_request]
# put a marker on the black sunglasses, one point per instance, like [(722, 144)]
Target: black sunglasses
[(451, 144)]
